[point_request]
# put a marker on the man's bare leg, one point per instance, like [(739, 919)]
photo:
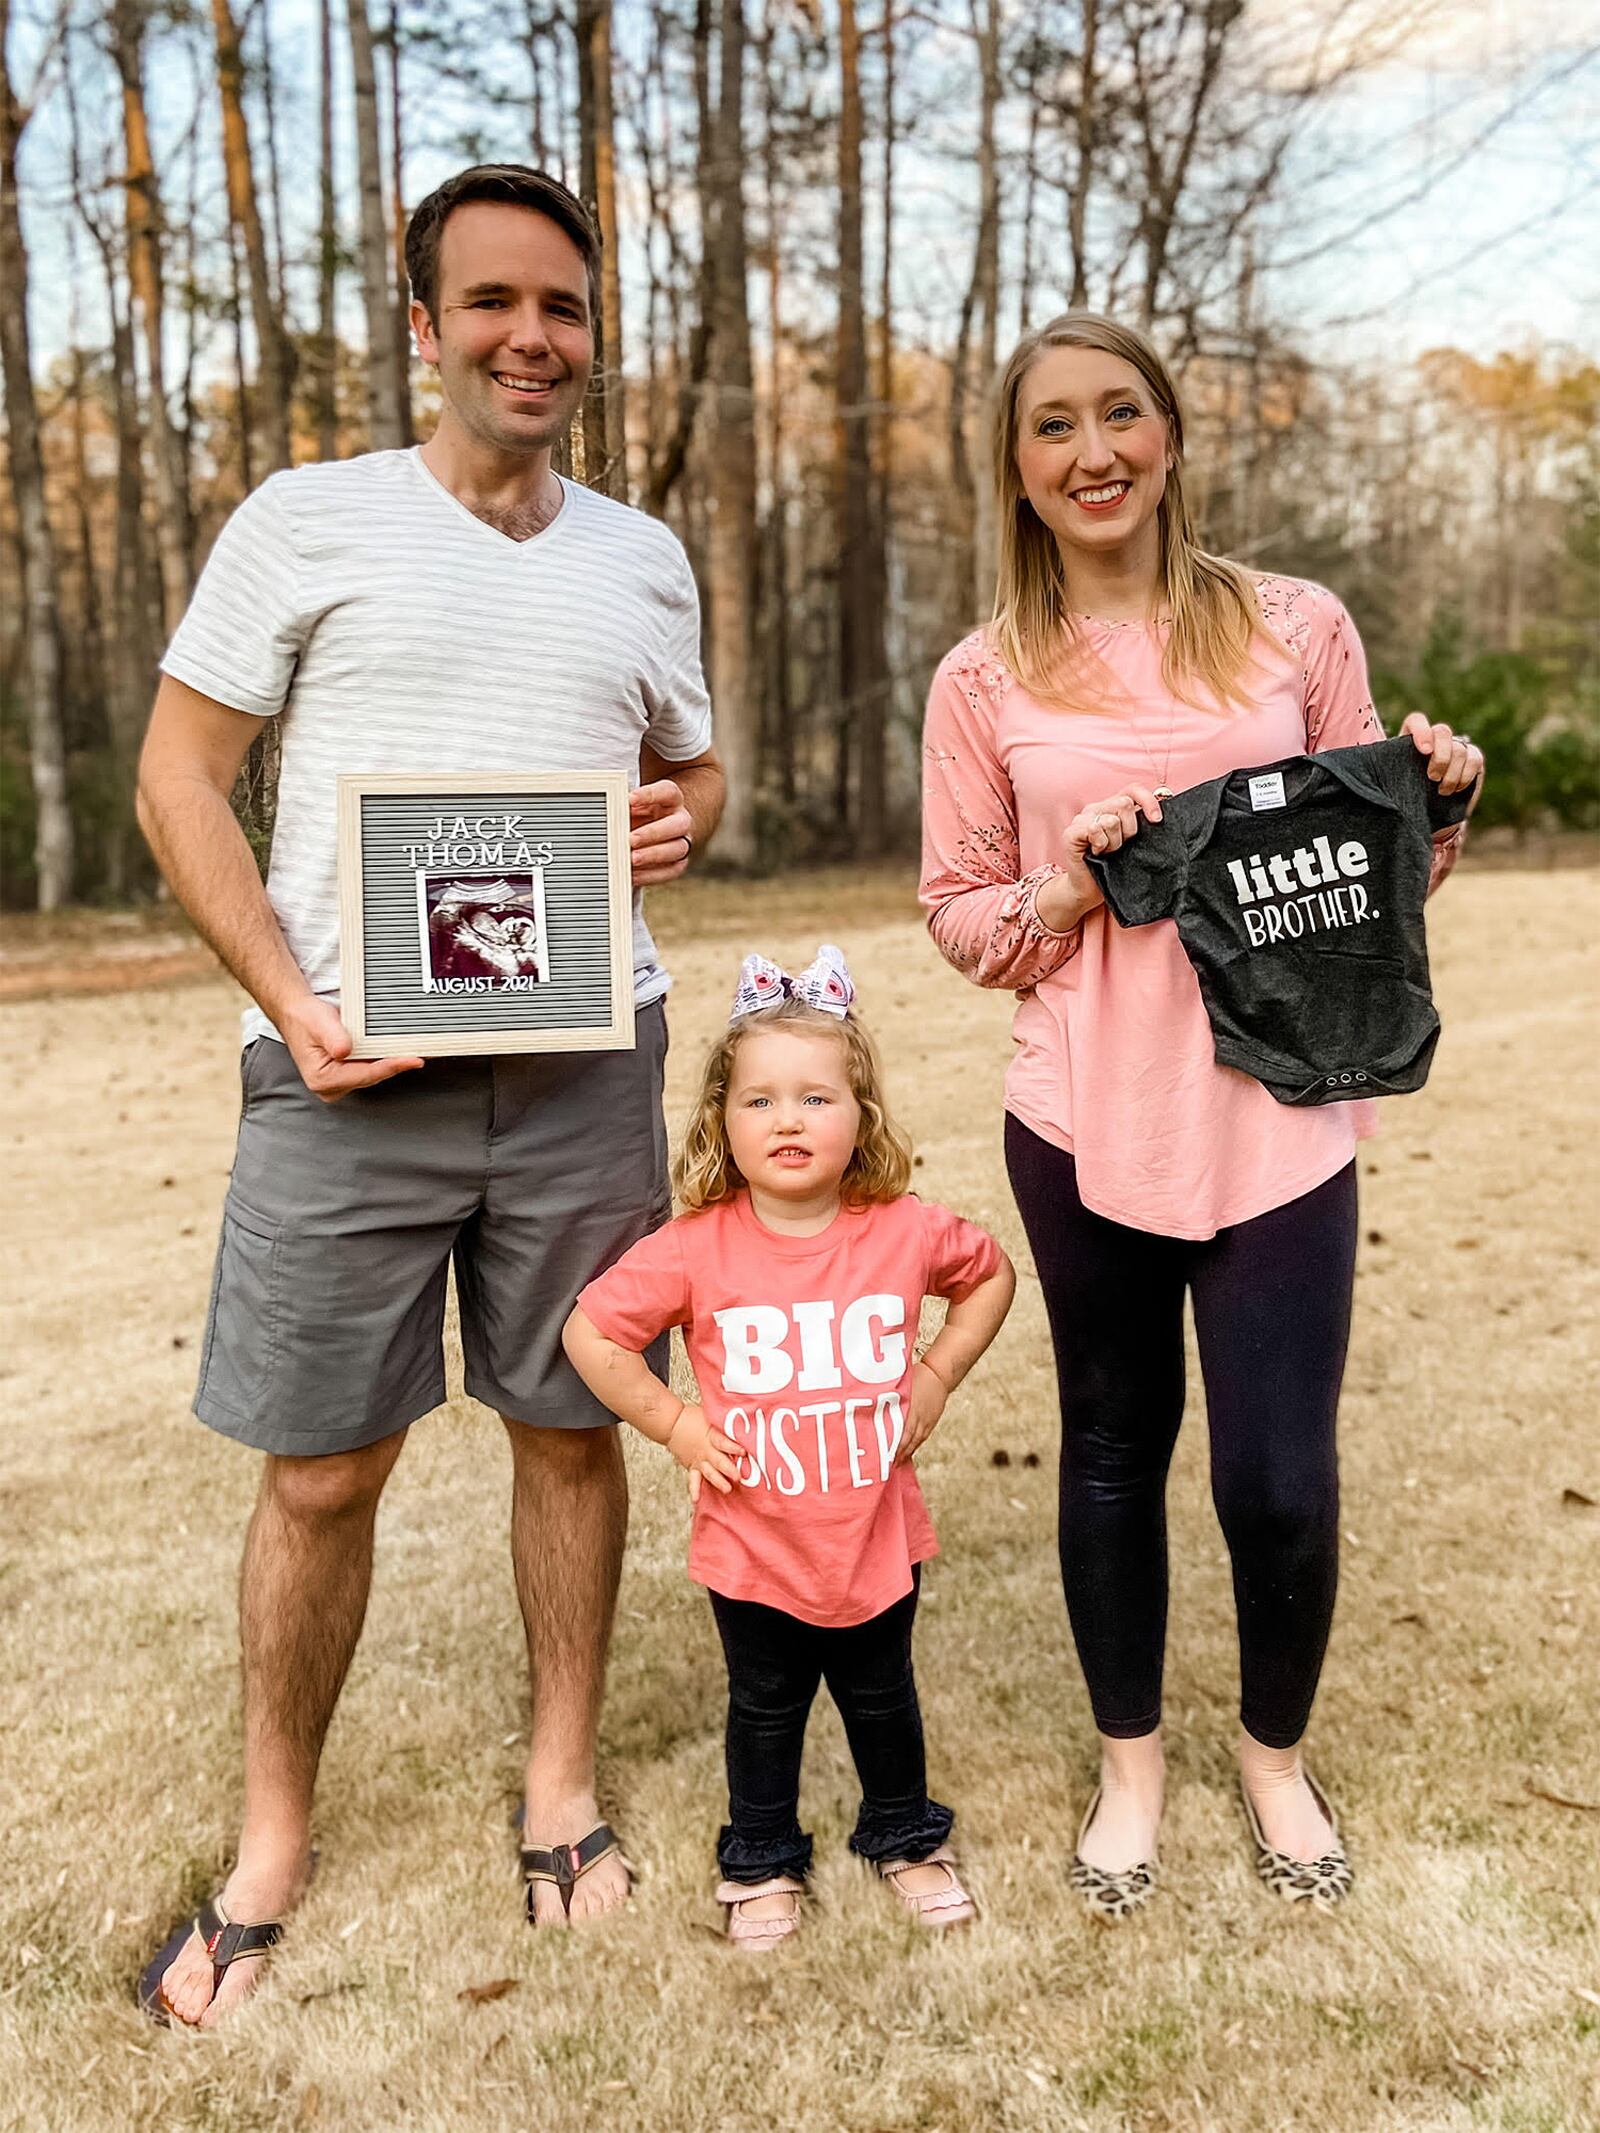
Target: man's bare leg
[(302, 1598), (569, 1519)]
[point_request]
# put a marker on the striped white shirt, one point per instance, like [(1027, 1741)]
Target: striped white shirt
[(396, 632)]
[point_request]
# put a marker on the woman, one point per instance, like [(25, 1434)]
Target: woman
[(1124, 664)]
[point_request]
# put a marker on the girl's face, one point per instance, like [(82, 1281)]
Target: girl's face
[(1092, 450), (791, 1118)]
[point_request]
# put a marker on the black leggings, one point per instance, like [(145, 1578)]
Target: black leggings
[(1272, 1319), (775, 1664)]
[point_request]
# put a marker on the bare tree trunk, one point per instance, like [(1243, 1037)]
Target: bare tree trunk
[(733, 468), (1165, 177), (560, 101), (86, 656), (862, 677), (1030, 194), (649, 141), (566, 103), (959, 567), (1244, 421), (129, 658), (327, 391), (605, 187), (385, 430), (52, 842), (189, 285), (143, 208), (241, 369), (272, 349), (986, 282), (885, 386), (592, 423), (91, 631), (397, 191), (779, 738), (691, 377), (1509, 535), (116, 834), (269, 111), (604, 438), (133, 662), (604, 414), (1083, 169), (256, 793), (971, 554), (534, 30)]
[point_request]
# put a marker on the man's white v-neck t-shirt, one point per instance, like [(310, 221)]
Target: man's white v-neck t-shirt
[(394, 632)]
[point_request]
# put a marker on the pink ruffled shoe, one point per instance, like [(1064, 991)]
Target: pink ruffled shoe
[(758, 1936), (948, 1906)]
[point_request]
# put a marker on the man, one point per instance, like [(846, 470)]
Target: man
[(456, 608)]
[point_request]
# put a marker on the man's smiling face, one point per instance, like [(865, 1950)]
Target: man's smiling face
[(513, 339)]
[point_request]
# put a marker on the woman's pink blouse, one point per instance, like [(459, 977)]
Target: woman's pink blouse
[(1114, 1056)]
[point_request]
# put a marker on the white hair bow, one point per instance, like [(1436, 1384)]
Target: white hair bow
[(825, 984)]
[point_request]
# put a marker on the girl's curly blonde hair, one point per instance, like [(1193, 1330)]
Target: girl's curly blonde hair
[(704, 1171)]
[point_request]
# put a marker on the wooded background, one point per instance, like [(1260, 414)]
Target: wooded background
[(822, 231)]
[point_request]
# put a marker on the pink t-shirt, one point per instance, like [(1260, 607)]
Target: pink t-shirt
[(803, 1348), (1114, 1059)]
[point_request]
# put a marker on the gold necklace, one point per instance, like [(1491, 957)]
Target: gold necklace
[(1162, 790)]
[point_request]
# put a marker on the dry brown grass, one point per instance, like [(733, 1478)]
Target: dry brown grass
[(1459, 1990)]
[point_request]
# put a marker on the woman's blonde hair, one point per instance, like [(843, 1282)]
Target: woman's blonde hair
[(1216, 622), (879, 1169)]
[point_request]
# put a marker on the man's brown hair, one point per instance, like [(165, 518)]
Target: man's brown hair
[(516, 184)]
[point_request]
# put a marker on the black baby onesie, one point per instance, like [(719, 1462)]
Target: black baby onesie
[(1297, 889)]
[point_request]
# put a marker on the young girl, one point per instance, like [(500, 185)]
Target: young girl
[(797, 1273)]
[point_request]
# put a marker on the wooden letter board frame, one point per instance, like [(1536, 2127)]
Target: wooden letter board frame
[(601, 929)]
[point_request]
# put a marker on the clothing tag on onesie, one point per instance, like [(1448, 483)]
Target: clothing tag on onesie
[(1267, 791)]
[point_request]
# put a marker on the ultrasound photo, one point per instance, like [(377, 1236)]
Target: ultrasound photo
[(482, 932)]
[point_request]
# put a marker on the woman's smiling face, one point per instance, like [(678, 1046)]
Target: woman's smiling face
[(1092, 449)]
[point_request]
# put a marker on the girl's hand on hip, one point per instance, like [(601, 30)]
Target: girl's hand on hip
[(1454, 762), (928, 1395), (705, 1453)]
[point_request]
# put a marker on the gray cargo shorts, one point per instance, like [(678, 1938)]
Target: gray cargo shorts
[(532, 1173)]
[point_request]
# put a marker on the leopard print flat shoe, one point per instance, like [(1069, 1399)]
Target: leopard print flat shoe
[(1106, 1894), (1325, 1882)]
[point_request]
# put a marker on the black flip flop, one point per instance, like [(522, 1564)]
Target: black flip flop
[(563, 1865), (225, 1943)]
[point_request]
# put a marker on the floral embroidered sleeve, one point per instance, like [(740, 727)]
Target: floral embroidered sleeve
[(1339, 710), (981, 909)]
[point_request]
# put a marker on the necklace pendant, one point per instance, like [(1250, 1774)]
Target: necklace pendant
[(1163, 792)]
